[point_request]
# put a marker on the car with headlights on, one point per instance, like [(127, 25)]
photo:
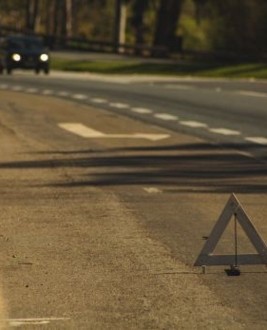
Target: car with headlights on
[(23, 52)]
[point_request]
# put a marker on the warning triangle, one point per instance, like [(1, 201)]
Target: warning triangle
[(232, 208)]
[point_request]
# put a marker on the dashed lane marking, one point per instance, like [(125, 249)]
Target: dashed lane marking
[(79, 96), (258, 140), (165, 116), (47, 92), (17, 88), (98, 100), (251, 93), (224, 131), (182, 87), (152, 190), (141, 110), (119, 105), (32, 90), (193, 124), (34, 321)]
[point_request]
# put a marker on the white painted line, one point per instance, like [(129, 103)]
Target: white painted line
[(3, 86), (87, 132), (79, 96), (142, 110), (152, 190), (47, 92), (63, 93), (151, 137), (32, 90), (251, 93), (34, 321), (218, 89), (119, 105), (193, 124), (81, 130), (259, 140), (17, 88), (183, 87), (165, 116), (245, 153), (97, 100), (224, 131)]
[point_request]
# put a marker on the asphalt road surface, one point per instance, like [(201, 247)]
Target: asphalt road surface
[(108, 186)]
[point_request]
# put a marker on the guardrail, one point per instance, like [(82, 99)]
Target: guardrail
[(83, 44)]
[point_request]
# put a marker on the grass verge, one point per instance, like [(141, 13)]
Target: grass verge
[(179, 68)]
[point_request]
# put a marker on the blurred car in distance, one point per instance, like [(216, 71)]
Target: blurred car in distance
[(23, 52)]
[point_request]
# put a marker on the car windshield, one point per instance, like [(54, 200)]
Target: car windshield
[(25, 43)]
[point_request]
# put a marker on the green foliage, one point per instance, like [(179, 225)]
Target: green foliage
[(194, 34), (179, 68)]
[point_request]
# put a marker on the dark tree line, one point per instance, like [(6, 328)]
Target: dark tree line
[(237, 25), (59, 17), (167, 21)]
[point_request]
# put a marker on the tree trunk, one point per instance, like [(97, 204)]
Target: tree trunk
[(139, 9), (32, 8), (69, 18), (120, 24), (59, 15), (167, 21)]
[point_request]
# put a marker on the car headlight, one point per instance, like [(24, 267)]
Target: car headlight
[(16, 57), (44, 57)]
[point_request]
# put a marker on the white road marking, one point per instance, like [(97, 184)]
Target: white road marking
[(152, 190), (34, 321), (245, 153), (3, 86), (151, 137), (63, 93), (119, 105), (193, 124), (87, 132), (81, 130), (142, 110), (183, 87), (17, 88), (32, 90), (165, 116), (79, 96), (97, 100), (251, 93), (218, 89), (47, 92), (259, 140), (224, 131)]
